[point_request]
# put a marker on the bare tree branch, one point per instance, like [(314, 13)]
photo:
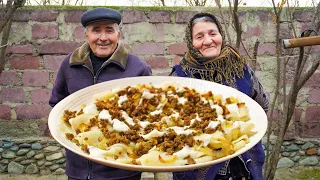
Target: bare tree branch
[(289, 100), (315, 64), (11, 7), (5, 24), (245, 49), (255, 54), (308, 33), (230, 15), (289, 14), (196, 2), (4, 41), (270, 161), (237, 23), (223, 21), (163, 4)]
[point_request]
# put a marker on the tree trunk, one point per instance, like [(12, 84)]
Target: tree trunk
[(223, 21), (290, 100), (11, 7), (237, 23), (3, 46), (270, 161), (163, 4)]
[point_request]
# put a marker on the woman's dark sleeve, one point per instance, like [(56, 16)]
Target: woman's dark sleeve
[(173, 73), (257, 92)]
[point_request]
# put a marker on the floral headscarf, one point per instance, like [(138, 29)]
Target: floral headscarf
[(224, 68)]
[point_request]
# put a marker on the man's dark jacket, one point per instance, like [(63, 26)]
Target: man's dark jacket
[(76, 72)]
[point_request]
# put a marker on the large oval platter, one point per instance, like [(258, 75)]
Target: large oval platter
[(84, 96)]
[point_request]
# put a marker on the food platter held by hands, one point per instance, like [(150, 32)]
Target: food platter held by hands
[(157, 123)]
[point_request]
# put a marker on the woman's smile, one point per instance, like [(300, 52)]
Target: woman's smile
[(207, 39)]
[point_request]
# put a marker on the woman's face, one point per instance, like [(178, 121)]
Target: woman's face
[(207, 39)]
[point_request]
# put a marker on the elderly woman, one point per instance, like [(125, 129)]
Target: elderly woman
[(209, 58)]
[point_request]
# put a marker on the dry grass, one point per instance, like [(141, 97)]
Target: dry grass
[(298, 173)]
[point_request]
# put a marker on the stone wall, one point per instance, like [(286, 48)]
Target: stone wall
[(46, 156), (31, 157), (41, 38), (298, 152)]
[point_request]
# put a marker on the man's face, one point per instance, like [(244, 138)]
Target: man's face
[(102, 38)]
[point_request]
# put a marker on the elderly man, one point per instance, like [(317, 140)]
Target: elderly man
[(101, 58)]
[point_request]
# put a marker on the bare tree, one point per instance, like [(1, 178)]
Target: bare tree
[(235, 23), (276, 21), (175, 2), (158, 2), (37, 2), (196, 2), (45, 2), (290, 100), (11, 7), (5, 25), (163, 4), (218, 3)]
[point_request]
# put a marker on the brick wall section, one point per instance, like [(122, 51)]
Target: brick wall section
[(267, 48), (157, 62), (21, 16), (9, 78), (149, 48), (184, 17), (302, 16), (178, 49), (25, 62), (79, 33), (45, 31), (31, 65), (58, 47), (40, 96), (52, 62), (314, 80), (26, 112), (314, 97), (35, 78), (133, 16), (252, 31), (44, 16), (159, 17), (20, 49), (5, 112), (73, 16), (12, 95)]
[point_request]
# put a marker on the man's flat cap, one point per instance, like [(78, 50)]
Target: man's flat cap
[(99, 15)]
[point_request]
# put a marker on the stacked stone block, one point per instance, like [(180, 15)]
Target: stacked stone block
[(31, 157)]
